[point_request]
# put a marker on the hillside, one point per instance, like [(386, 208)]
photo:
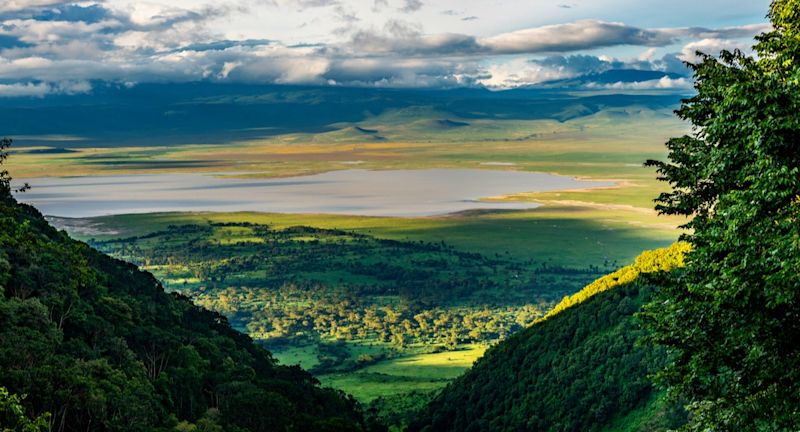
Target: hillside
[(100, 345), (578, 370), (370, 315)]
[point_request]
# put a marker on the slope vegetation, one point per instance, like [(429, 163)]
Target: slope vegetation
[(98, 344), (579, 370)]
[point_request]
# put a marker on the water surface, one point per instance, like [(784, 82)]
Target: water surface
[(356, 192)]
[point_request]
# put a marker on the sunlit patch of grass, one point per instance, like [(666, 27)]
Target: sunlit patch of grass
[(586, 235), (306, 356), (414, 372)]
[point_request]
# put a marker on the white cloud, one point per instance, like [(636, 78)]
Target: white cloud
[(130, 41), (15, 5), (72, 87), (42, 89), (520, 72), (711, 47), (152, 14), (402, 37), (35, 31), (664, 83), (574, 36), (27, 89), (411, 6), (647, 55), (745, 31)]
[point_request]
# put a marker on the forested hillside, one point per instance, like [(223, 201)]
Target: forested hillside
[(98, 344), (579, 370)]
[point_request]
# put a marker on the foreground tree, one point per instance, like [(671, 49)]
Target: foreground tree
[(5, 178), (101, 346), (732, 318), (13, 418)]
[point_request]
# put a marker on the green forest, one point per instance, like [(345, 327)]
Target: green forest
[(180, 328), (719, 331), (581, 369), (94, 343), (302, 285)]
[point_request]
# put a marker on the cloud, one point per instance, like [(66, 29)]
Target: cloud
[(711, 46), (745, 31), (58, 47), (225, 44), (380, 72), (7, 41), (401, 37), (41, 89), (580, 35), (411, 6), (27, 89), (520, 73), (590, 72), (664, 83), (316, 3), (72, 12), (18, 5), (561, 38), (379, 5)]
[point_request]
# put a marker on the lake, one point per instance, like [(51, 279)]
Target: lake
[(356, 192)]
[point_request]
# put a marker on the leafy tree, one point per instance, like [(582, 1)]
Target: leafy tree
[(578, 370), (5, 177), (98, 344), (13, 418), (732, 317)]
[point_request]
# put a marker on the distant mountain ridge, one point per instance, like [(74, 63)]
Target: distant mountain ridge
[(625, 76), (197, 113)]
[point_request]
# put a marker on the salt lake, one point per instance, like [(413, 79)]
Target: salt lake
[(356, 192)]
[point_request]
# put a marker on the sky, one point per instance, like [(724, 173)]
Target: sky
[(67, 47)]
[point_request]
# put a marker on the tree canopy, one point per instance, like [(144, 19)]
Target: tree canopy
[(581, 369), (731, 319), (96, 344)]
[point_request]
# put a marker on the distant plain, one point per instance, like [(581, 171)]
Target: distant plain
[(575, 236)]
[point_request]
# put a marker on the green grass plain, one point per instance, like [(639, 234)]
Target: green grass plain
[(269, 256), (610, 144), (420, 372), (578, 228), (585, 235)]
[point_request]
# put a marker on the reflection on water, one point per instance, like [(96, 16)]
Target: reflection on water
[(358, 192)]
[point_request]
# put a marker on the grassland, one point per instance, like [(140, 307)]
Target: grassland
[(569, 236), (373, 316), (413, 372), (581, 229), (609, 144), (585, 235)]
